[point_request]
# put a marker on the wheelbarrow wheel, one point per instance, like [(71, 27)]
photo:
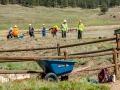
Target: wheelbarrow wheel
[(51, 77)]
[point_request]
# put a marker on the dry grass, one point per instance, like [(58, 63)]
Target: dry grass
[(22, 16)]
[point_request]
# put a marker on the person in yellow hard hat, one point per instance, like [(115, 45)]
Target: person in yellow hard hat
[(56, 27), (53, 31), (43, 30), (80, 29)]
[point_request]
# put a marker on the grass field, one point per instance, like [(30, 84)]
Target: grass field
[(22, 16), (42, 85)]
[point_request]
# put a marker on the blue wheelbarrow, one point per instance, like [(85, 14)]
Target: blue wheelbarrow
[(54, 68)]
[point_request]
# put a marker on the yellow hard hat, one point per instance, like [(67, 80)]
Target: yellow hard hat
[(54, 26), (43, 24)]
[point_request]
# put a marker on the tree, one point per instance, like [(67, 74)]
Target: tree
[(73, 3), (4, 2), (49, 3), (12, 1), (104, 8), (63, 3)]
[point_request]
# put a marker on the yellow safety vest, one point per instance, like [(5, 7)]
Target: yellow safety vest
[(80, 27), (64, 27)]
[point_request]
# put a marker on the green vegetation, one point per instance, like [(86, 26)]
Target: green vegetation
[(22, 16), (42, 85), (104, 8), (91, 4)]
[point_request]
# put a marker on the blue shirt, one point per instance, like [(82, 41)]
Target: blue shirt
[(44, 31)]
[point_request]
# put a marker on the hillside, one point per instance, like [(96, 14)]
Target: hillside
[(22, 16)]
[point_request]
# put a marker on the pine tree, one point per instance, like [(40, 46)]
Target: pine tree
[(62, 5), (4, 2), (42, 2), (13, 1), (49, 3), (104, 8), (55, 4), (73, 3), (31, 3)]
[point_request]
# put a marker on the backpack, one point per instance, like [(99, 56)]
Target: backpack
[(105, 76)]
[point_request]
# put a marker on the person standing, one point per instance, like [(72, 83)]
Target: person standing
[(54, 31), (31, 30), (10, 34), (64, 28), (80, 29), (43, 30), (15, 31)]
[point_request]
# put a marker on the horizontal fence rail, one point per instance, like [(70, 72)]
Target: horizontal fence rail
[(98, 41), (98, 51), (48, 31), (28, 49), (65, 46), (90, 55), (51, 57)]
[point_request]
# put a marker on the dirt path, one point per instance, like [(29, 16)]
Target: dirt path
[(115, 85)]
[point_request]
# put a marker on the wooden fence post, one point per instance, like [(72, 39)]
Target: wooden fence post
[(118, 43), (58, 49), (66, 55), (115, 62)]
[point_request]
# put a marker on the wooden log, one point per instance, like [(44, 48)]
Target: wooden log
[(66, 55), (98, 68), (98, 41), (58, 49), (31, 58), (91, 55), (91, 52), (115, 62), (118, 44), (28, 49)]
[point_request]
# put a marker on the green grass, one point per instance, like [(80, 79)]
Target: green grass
[(22, 16), (20, 66), (42, 85)]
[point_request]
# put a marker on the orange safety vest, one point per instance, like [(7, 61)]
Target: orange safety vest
[(15, 31)]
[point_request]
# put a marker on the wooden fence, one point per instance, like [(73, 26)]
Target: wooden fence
[(48, 31), (111, 51)]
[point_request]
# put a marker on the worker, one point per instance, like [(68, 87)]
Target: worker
[(10, 34), (64, 28), (56, 29), (31, 30), (80, 29), (43, 30), (53, 31), (15, 31)]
